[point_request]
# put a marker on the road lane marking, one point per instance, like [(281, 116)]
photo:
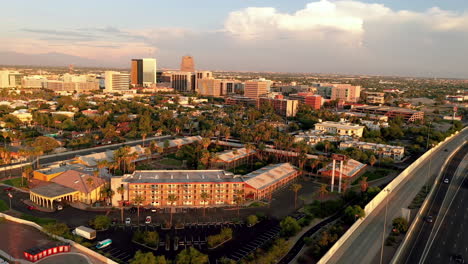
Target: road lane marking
[(428, 247)]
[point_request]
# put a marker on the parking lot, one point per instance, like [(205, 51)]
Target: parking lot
[(174, 240)]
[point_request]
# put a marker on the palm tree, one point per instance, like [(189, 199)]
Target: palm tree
[(172, 198), (90, 182), (295, 188), (147, 154), (121, 191), (205, 142), (238, 199), (323, 191), (314, 164), (38, 152), (372, 160), (363, 183), (138, 199), (101, 165), (26, 173), (143, 136), (327, 145), (248, 148), (344, 186), (204, 196)]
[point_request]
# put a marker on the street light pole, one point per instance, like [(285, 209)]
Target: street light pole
[(385, 224)]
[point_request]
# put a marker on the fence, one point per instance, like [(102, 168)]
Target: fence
[(369, 208), (78, 246)]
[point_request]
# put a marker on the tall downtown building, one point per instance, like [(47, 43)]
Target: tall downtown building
[(187, 64), (116, 81), (143, 72)]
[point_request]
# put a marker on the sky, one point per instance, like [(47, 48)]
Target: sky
[(387, 37)]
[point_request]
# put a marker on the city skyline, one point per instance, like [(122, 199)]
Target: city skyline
[(421, 38)]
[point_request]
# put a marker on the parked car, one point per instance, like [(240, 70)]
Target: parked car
[(128, 221), (59, 207), (154, 210), (104, 243), (446, 180), (148, 220), (8, 189), (30, 207)]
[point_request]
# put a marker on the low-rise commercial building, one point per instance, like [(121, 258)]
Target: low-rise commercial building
[(261, 184), (233, 158), (71, 186), (394, 152), (312, 137), (186, 188), (351, 168), (340, 128), (375, 97), (408, 115), (283, 107)]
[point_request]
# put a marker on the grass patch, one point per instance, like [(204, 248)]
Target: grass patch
[(16, 182), (170, 162), (38, 220), (245, 169), (420, 197), (3, 206), (374, 175), (257, 204)]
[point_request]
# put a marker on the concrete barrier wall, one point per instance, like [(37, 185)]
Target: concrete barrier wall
[(78, 246), (379, 198)]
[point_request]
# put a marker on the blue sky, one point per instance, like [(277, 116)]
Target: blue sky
[(339, 36)]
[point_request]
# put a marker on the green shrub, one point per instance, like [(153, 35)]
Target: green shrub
[(308, 241), (38, 220), (289, 227), (101, 222), (400, 224), (3, 206), (215, 240), (252, 220), (151, 238), (58, 229)]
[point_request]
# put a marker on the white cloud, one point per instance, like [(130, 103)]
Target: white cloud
[(345, 16)]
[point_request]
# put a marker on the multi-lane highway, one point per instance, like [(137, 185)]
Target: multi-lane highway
[(447, 235), (364, 244)]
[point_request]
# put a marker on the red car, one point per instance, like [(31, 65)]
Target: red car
[(9, 189), (30, 207)]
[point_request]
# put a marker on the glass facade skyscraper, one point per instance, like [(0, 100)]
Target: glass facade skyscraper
[(143, 72)]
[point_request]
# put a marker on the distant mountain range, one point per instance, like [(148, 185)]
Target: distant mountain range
[(47, 59)]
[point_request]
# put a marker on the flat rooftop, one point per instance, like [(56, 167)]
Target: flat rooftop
[(340, 125), (59, 168), (180, 176), (52, 190), (386, 109), (269, 175), (234, 154)]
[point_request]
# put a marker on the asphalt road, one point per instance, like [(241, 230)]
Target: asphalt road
[(437, 207), (364, 244)]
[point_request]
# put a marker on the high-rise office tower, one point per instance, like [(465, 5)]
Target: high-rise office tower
[(256, 88), (143, 72), (187, 64)]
